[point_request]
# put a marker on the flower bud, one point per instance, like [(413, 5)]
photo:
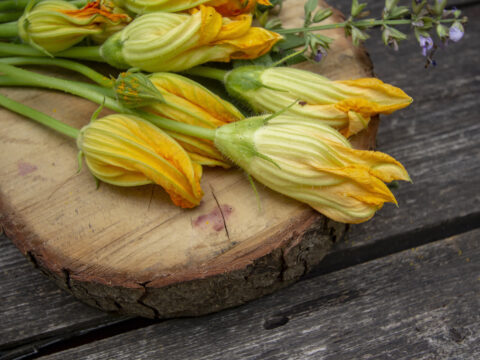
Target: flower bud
[(312, 163), (134, 90), (186, 101), (175, 42), (125, 150), (56, 25), (345, 105)]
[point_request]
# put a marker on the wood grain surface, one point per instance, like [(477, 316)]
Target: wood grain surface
[(131, 250), (431, 295)]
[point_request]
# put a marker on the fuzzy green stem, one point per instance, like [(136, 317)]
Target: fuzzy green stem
[(9, 30), (75, 88), (88, 92), (9, 81), (207, 72), (176, 126), (10, 16), (81, 52), (6, 5), (39, 117), (66, 64), (9, 5), (91, 53)]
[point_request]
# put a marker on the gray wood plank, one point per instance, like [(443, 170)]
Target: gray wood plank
[(437, 139), (422, 303), (31, 306)]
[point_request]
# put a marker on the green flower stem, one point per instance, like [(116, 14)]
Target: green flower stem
[(88, 92), (72, 87), (10, 16), (9, 30), (172, 125), (207, 72), (359, 24), (91, 53), (8, 81), (39, 117), (7, 5), (11, 5), (66, 64)]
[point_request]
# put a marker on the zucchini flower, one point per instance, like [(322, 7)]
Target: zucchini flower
[(55, 25), (175, 42), (345, 105), (178, 98), (224, 7), (313, 163), (125, 150)]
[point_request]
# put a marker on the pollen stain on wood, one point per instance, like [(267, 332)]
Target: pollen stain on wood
[(25, 168), (214, 218)]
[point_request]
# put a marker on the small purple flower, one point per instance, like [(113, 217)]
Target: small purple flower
[(455, 33), (426, 43), (318, 57)]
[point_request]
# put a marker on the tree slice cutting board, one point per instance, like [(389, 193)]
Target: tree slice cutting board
[(130, 250)]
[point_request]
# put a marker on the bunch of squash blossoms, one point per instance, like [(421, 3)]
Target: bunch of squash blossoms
[(166, 127)]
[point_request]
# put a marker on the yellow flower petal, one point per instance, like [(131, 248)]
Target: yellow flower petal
[(255, 43), (188, 102), (371, 95)]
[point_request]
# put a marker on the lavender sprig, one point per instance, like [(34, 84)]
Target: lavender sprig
[(424, 18)]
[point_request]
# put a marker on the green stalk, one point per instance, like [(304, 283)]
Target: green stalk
[(39, 117), (8, 81), (207, 72), (9, 30), (66, 64), (10, 16), (91, 53), (43, 81), (9, 5), (88, 92), (6, 5)]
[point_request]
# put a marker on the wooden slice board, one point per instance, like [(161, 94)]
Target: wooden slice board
[(130, 250)]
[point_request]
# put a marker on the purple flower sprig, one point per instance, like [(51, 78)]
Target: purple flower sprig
[(423, 16)]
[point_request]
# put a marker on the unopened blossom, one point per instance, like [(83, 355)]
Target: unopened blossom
[(125, 150), (178, 98), (56, 25), (346, 105), (189, 102), (175, 42), (456, 32), (312, 163)]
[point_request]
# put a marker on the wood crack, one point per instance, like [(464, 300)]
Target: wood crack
[(221, 213)]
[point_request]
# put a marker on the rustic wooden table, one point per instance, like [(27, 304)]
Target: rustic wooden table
[(404, 285)]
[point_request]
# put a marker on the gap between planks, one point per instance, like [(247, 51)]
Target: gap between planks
[(332, 263)]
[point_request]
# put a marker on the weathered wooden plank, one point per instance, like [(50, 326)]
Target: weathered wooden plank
[(31, 306), (418, 304), (438, 140), (450, 71)]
